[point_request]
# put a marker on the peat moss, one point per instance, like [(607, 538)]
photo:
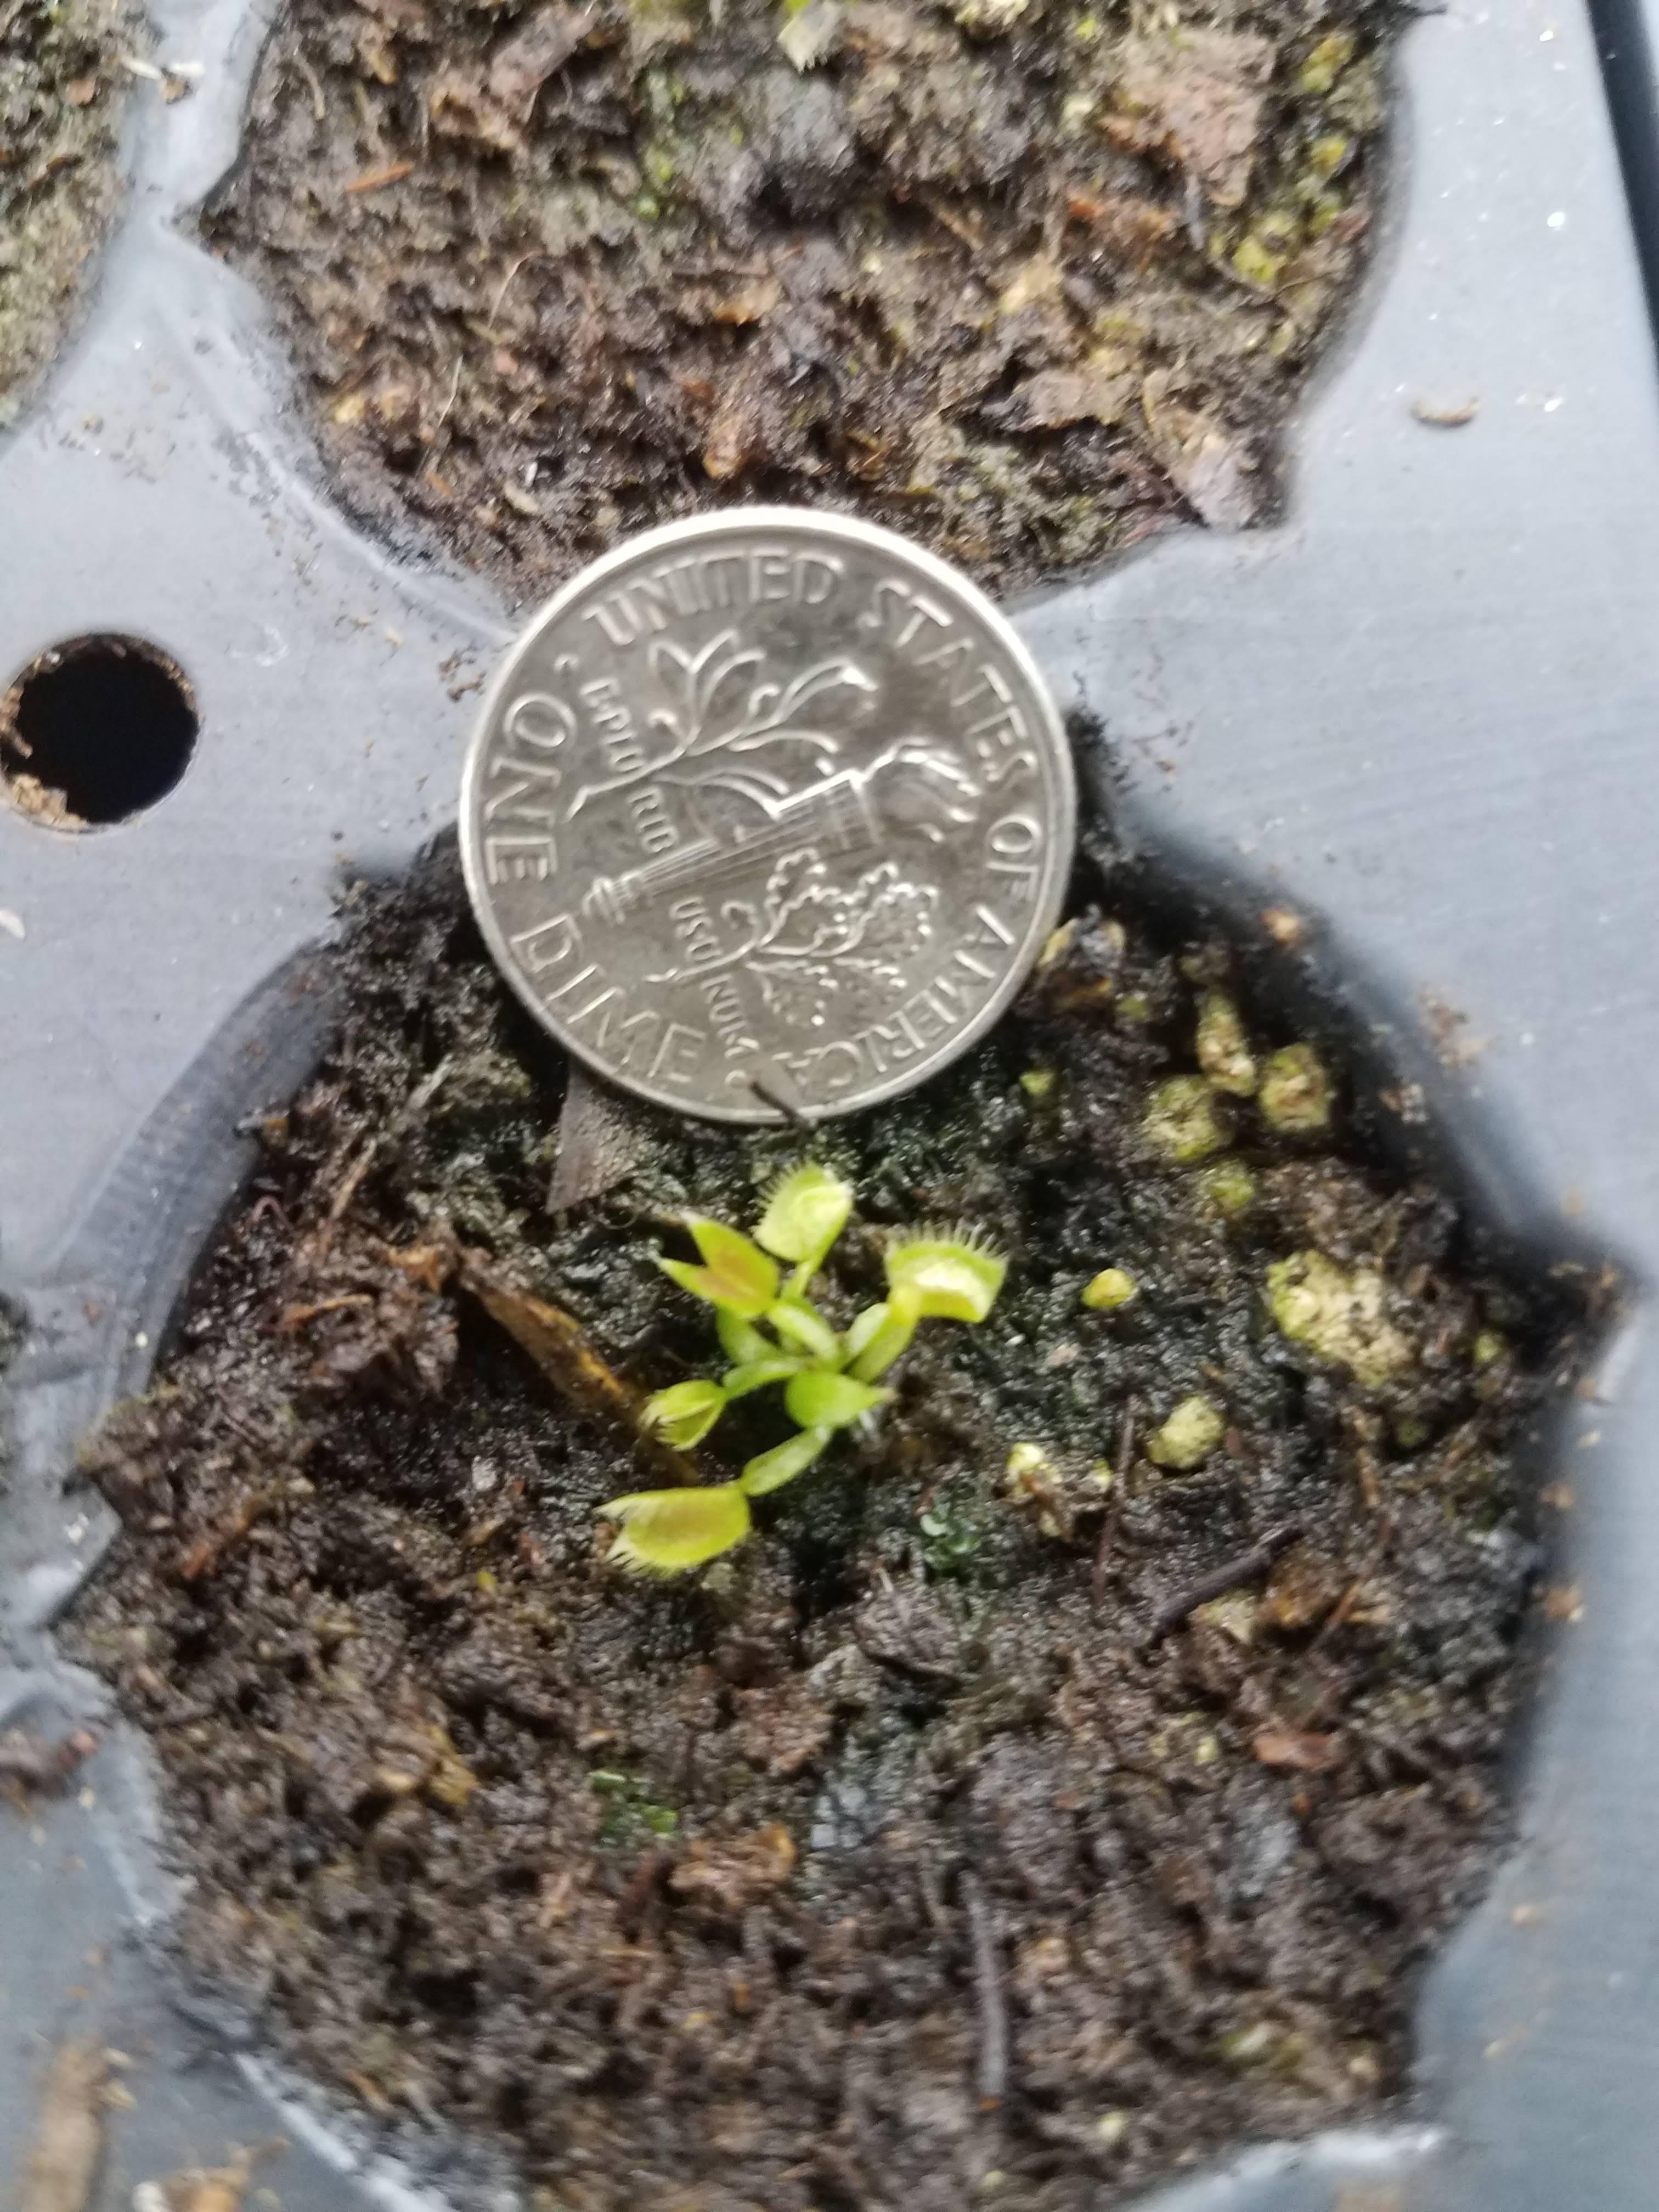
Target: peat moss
[(62, 90), (1022, 280), (686, 1892)]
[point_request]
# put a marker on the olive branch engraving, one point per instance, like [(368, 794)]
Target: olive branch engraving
[(716, 705)]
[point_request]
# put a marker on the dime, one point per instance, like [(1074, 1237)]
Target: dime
[(767, 815)]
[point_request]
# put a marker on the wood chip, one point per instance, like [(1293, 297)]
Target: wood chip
[(31, 1763), (1302, 1590), (1446, 414), (605, 1137), (748, 303), (69, 2132), (198, 2189), (1311, 1754), (1284, 926)]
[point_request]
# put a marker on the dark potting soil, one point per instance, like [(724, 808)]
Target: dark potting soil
[(63, 87), (965, 1837), (1024, 280)]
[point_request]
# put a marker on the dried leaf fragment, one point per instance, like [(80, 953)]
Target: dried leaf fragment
[(1215, 474), (723, 1878), (1201, 98), (808, 37), (561, 1350), (1034, 280), (1055, 397), (1302, 1588)]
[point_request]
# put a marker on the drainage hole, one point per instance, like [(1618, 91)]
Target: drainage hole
[(95, 731)]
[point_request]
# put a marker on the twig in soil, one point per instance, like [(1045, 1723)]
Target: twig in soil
[(991, 2075), (295, 1317), (645, 1878), (208, 1550), (350, 1183), (970, 234), (1126, 1458), (393, 173), (1192, 213), (416, 1102), (932, 1901), (454, 393), (497, 303), (1350, 1598), (294, 59), (1248, 1567)]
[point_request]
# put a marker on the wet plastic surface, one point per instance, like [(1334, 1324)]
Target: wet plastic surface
[(1420, 710)]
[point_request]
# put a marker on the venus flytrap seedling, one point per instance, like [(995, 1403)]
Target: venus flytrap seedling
[(772, 1333)]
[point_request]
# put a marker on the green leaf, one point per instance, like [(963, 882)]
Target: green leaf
[(666, 1532), (685, 1413), (864, 1327), (959, 1278), (770, 1470), (736, 1276), (881, 1333), (740, 1340), (800, 1323), (805, 1214), (818, 1400), (756, 1373)]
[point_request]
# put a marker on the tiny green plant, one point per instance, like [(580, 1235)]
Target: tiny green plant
[(773, 1334)]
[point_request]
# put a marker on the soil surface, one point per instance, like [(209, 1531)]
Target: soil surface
[(1058, 1827), (62, 90), (1024, 280)]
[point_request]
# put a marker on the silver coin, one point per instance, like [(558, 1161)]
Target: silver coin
[(767, 814)]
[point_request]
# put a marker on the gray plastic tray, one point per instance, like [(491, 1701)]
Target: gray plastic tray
[(1421, 709)]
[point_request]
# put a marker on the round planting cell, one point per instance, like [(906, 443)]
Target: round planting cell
[(1066, 1776)]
